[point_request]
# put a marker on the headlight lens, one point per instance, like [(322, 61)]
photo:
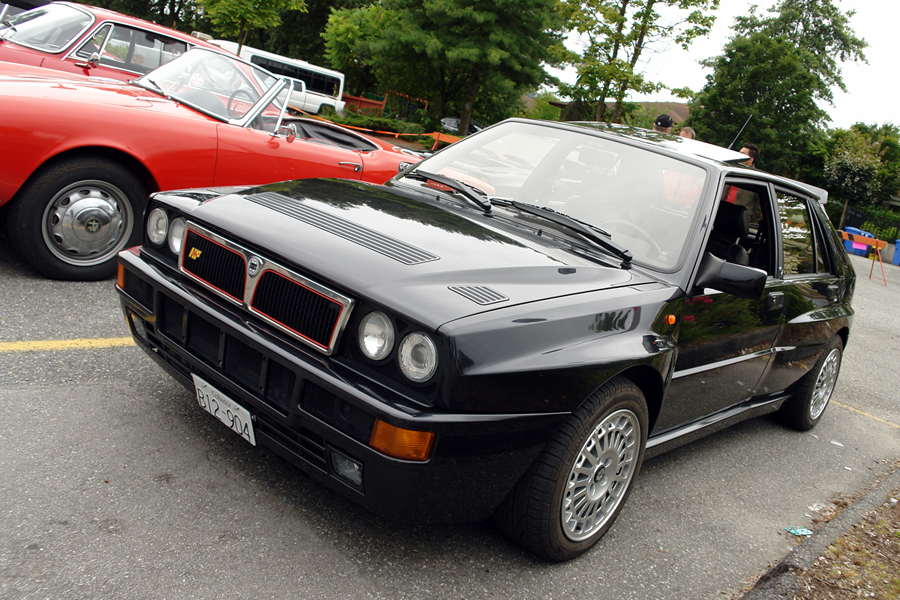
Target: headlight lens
[(376, 336), (157, 226), (418, 357), (176, 235)]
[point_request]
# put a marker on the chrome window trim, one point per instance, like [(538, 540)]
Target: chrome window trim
[(72, 42)]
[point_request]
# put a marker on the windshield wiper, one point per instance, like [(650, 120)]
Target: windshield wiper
[(588, 232), (468, 191), (7, 24), (152, 83)]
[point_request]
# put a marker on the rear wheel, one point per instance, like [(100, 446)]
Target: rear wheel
[(805, 407), (72, 218), (576, 488)]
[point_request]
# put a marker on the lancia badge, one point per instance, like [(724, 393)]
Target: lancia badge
[(254, 265)]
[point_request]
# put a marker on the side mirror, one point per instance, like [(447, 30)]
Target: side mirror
[(92, 62), (289, 132), (745, 282)]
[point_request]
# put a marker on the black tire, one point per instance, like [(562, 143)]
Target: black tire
[(548, 509), (807, 404), (72, 218)]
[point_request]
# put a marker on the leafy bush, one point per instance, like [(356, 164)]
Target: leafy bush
[(378, 123)]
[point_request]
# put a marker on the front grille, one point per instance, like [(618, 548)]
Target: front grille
[(215, 265), (298, 306)]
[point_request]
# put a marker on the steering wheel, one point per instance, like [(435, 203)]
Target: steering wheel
[(632, 228), (238, 92)]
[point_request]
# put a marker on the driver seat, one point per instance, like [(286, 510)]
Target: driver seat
[(732, 224)]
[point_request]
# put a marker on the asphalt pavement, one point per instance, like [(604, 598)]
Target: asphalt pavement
[(114, 484)]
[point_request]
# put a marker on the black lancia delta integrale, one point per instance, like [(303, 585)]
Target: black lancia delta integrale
[(509, 328)]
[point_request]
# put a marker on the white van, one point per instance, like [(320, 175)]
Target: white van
[(314, 87)]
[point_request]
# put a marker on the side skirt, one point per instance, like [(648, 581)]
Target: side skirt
[(673, 438)]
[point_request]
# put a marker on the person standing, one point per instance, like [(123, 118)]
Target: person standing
[(752, 151), (663, 124)]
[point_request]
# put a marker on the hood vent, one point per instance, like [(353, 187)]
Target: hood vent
[(479, 294), (350, 231)]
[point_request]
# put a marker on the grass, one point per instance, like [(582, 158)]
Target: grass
[(864, 563)]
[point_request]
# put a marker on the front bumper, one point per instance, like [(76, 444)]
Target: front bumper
[(306, 406)]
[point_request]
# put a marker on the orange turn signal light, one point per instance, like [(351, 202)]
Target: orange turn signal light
[(406, 444), (120, 277), (670, 319)]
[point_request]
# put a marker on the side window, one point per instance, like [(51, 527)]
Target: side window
[(139, 50), (94, 44), (741, 231), (798, 233)]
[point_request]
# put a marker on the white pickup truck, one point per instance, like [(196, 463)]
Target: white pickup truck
[(314, 87)]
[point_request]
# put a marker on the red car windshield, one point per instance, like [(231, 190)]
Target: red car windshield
[(49, 28)]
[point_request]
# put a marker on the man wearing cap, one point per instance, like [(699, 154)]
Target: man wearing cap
[(663, 123)]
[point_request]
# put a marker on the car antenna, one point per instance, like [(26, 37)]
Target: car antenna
[(740, 132)]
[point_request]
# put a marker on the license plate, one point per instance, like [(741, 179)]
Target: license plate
[(234, 416)]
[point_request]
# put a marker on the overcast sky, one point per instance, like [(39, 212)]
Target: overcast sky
[(871, 88)]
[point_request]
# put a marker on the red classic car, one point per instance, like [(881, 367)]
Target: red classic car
[(89, 40), (79, 155)]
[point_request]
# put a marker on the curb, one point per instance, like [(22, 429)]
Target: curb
[(781, 581)]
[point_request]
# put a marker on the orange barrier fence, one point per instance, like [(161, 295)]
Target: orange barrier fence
[(861, 241)]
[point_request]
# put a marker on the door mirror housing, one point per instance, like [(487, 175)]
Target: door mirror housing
[(731, 278)]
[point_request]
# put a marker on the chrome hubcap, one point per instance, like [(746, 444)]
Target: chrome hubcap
[(600, 475), (87, 222), (824, 384)]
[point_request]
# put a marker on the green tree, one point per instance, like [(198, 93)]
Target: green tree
[(764, 83), (851, 169), (541, 107), (447, 51), (820, 29), (235, 18), (617, 32), (348, 38), (182, 15), (300, 33)]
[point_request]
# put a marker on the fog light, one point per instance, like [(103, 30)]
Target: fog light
[(346, 468), (139, 327)]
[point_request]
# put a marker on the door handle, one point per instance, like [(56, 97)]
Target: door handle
[(832, 292), (356, 166), (775, 301)]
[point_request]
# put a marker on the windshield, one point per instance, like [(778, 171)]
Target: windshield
[(647, 202), (49, 28), (214, 83)]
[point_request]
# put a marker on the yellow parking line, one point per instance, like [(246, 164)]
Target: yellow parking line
[(47, 345), (873, 417)]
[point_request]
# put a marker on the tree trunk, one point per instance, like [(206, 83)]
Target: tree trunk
[(601, 107), (468, 105)]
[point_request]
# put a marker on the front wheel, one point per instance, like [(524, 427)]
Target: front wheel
[(576, 488), (72, 218), (805, 407)]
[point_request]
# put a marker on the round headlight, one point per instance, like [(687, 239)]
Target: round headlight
[(157, 226), (176, 235), (418, 357), (376, 336)]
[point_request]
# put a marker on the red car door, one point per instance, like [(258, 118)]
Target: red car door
[(250, 156)]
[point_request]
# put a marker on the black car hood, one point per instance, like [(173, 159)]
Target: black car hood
[(431, 260)]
